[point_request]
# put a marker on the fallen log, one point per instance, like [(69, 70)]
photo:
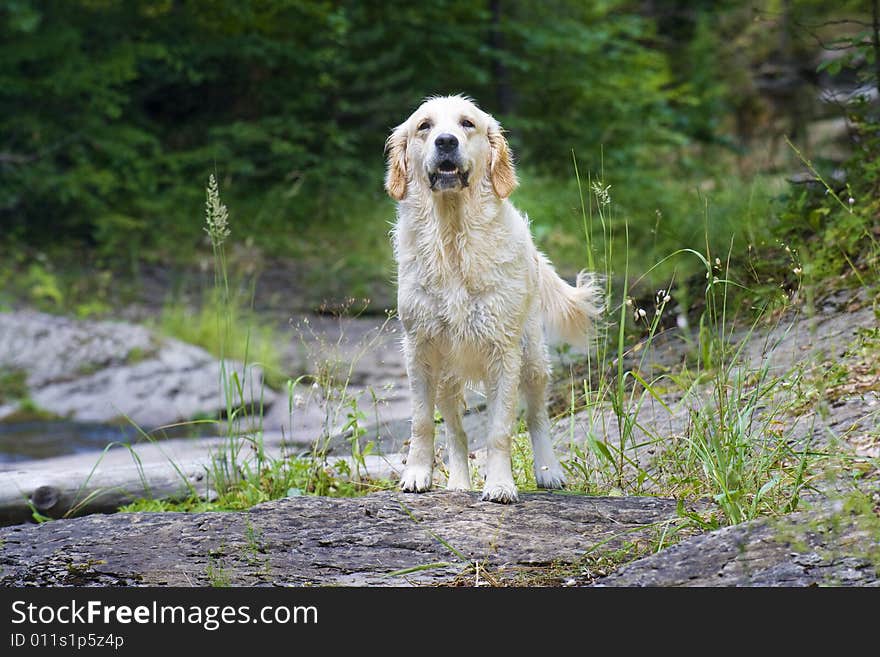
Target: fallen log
[(101, 482)]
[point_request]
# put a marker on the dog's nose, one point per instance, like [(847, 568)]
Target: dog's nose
[(446, 142)]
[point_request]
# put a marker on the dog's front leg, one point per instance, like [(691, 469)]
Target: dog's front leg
[(418, 473), (502, 394)]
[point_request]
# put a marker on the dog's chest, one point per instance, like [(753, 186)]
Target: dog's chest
[(450, 306), (461, 287), (469, 311)]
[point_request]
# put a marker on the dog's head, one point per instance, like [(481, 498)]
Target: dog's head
[(447, 146)]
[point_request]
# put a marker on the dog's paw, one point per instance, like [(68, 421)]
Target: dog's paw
[(416, 479), (500, 491), (551, 478)]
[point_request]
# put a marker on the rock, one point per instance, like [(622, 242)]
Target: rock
[(437, 538), (53, 349), (824, 547), (101, 371), (328, 541)]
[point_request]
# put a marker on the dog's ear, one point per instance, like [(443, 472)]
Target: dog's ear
[(395, 149), (501, 171)]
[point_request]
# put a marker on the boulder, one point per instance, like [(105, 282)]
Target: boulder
[(103, 371), (825, 546)]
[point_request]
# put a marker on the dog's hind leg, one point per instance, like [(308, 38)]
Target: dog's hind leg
[(535, 375), (502, 394), (450, 402)]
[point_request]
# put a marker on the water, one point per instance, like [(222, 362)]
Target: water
[(40, 439)]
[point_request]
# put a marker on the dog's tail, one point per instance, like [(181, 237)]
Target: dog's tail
[(569, 312)]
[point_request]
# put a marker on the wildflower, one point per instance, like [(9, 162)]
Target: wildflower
[(851, 201), (797, 271), (629, 302), (642, 312), (216, 215)]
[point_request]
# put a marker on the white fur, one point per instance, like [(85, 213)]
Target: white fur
[(474, 295)]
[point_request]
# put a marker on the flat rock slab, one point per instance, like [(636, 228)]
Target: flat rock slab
[(327, 541), (820, 547)]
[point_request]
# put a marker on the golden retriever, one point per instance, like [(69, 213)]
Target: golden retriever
[(474, 294)]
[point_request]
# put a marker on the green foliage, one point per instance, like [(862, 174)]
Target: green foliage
[(63, 283), (106, 106), (289, 103), (29, 411), (660, 216), (833, 220)]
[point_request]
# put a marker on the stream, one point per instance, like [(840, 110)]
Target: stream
[(40, 439)]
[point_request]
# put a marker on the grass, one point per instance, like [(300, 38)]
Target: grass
[(217, 575), (244, 337)]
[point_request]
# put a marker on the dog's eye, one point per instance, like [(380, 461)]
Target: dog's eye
[(424, 125), (467, 123)]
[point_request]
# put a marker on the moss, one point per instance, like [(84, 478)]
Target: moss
[(137, 355), (87, 369), (28, 411), (13, 385)]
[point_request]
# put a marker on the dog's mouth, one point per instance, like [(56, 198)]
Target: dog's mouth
[(447, 175)]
